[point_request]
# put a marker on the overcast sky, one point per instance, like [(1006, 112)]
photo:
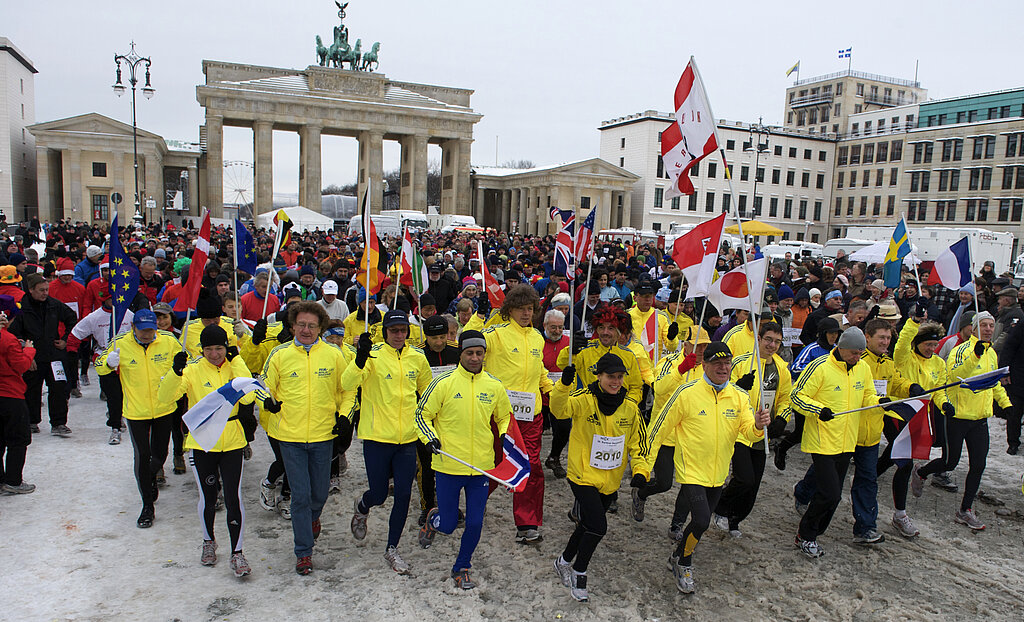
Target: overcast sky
[(546, 73)]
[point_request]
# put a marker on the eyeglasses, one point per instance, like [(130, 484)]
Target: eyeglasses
[(307, 325), (771, 341)]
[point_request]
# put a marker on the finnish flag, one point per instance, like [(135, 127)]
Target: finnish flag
[(207, 418)]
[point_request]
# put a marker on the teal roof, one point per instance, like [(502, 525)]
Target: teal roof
[(972, 108)]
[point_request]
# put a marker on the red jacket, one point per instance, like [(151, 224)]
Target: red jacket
[(551, 350), (252, 306), (72, 294), (14, 291), (97, 289), (15, 362)]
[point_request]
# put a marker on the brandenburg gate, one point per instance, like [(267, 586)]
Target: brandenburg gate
[(328, 100)]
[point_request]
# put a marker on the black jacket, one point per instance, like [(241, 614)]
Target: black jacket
[(448, 356), (444, 292), (1012, 356), (39, 322)]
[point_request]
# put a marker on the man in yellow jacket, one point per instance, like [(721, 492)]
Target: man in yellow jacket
[(391, 374), (304, 377), (606, 427), (515, 356), (608, 323), (454, 415), (143, 356), (967, 416), (832, 383), (704, 418), (641, 313)]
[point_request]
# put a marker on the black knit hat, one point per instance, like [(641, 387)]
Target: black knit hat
[(435, 325), (213, 335), (209, 305)]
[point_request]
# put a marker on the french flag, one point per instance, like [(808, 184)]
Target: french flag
[(914, 442), (207, 418), (952, 267), (514, 468)]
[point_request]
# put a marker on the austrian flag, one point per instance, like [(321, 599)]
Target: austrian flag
[(692, 137)]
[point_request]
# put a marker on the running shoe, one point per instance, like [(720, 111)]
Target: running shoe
[(673, 561), (636, 509), (268, 496), (578, 586), (342, 464), (146, 517), (358, 522), (684, 578), (1013, 449), (810, 548), (720, 521), (428, 531), (564, 570), (463, 580), (21, 489), (944, 481), (395, 561), (917, 482), (780, 458), (556, 467), (613, 507), (675, 532), (62, 431), (209, 555), (304, 565), (35, 428), (969, 518), (284, 507), (115, 437), (239, 565), (528, 536), (76, 392), (335, 486), (85, 380), (870, 537), (160, 478), (317, 528), (904, 526), (179, 464)]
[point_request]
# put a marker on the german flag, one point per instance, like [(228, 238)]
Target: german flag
[(373, 266), (284, 223)]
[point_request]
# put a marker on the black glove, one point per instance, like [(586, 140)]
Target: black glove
[(342, 425), (746, 382), (247, 417), (363, 347), (434, 446), (568, 375), (180, 360), (259, 332), (638, 481), (673, 331), (948, 410), (873, 313), (979, 348), (483, 303), (916, 390), (884, 400), (579, 341), (825, 414), (777, 427), (271, 405), (232, 352)]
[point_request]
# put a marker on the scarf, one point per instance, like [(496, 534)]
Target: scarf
[(607, 403)]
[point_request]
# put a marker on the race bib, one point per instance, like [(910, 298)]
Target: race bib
[(523, 403), (881, 386), (58, 371), (74, 307), (767, 400), (606, 452), (790, 336), (442, 369), (555, 376)]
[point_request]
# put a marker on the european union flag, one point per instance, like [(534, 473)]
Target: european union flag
[(899, 247), (124, 277), (245, 249)]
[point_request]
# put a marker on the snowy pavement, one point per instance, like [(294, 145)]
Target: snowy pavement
[(72, 552)]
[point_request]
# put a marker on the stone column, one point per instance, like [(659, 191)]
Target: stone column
[(478, 206), (263, 150), (371, 168), (627, 208), (604, 211), (43, 185), (154, 177), (462, 190), (310, 180), (449, 175), (193, 191), (506, 210), (419, 173), (522, 200), (214, 199), (73, 190)]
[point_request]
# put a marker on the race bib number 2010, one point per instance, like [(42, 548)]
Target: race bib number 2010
[(606, 452)]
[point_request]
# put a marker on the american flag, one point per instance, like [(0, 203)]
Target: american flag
[(585, 237)]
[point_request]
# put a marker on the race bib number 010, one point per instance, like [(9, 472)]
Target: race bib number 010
[(606, 452), (523, 403), (881, 386), (442, 369)]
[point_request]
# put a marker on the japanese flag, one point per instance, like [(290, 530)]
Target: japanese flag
[(736, 288)]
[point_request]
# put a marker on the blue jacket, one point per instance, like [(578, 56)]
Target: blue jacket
[(809, 353), (86, 271)]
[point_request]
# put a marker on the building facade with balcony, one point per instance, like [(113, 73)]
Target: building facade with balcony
[(17, 145)]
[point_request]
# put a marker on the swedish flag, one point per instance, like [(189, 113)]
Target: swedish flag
[(899, 247), (124, 276)]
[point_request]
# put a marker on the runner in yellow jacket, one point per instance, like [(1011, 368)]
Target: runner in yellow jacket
[(641, 313), (454, 417), (606, 427), (705, 418)]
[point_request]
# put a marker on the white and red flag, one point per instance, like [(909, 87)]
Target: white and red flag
[(190, 293), (494, 294), (696, 254), (649, 334), (737, 288), (692, 137)]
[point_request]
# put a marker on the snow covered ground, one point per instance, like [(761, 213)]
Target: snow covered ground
[(72, 552)]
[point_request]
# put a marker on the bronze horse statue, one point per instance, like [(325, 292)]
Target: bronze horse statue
[(370, 58), (321, 52)]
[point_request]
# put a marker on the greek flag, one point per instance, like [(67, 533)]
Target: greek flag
[(845, 53), (207, 418)]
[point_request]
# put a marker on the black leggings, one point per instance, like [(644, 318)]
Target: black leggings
[(973, 432), (696, 501), (341, 444), (592, 508), (425, 477), (276, 469), (739, 496), (177, 427), (829, 474), (1014, 416), (792, 439), (664, 472), (900, 479), (15, 437), (150, 438), (560, 429), (110, 384), (211, 469)]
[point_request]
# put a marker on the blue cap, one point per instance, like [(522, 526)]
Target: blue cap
[(144, 319)]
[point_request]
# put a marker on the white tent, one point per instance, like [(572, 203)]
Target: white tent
[(876, 254), (303, 219)]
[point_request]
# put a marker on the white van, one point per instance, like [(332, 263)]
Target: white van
[(387, 223)]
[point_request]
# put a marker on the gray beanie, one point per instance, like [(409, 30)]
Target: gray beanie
[(984, 315), (852, 339)]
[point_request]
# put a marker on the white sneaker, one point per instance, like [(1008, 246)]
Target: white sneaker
[(335, 486), (720, 521), (284, 507), (969, 518), (684, 578), (578, 586), (395, 561), (810, 548), (268, 496), (904, 526), (115, 437), (564, 570)]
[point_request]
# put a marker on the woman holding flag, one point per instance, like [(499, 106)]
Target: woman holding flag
[(222, 463)]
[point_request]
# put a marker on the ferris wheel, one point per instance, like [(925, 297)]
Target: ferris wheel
[(239, 185)]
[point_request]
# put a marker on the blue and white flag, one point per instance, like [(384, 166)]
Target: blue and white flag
[(845, 53), (984, 381), (207, 417)]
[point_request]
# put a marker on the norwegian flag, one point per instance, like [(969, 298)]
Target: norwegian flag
[(190, 293), (564, 246), (514, 468), (585, 235), (649, 335), (692, 137), (696, 253)]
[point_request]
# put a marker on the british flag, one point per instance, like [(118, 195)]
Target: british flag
[(564, 245)]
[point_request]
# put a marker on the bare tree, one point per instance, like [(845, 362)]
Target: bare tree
[(518, 164), (347, 189)]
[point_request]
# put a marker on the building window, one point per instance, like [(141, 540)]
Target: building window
[(817, 210), (819, 181), (944, 181), (1008, 175), (622, 162), (879, 176), (881, 152), (954, 181), (790, 177), (730, 144), (839, 179), (1011, 144), (918, 152), (990, 147), (925, 178), (940, 211), (99, 207), (801, 118), (725, 201), (742, 207), (656, 226), (802, 212), (695, 169), (622, 143), (805, 180), (858, 108), (1020, 178), (659, 137), (787, 209), (894, 175), (860, 90), (661, 168), (789, 117), (855, 129), (712, 169), (807, 154), (849, 206), (822, 156), (876, 209), (869, 154), (896, 150), (792, 152), (982, 210), (950, 211), (890, 206), (839, 206), (971, 209), (835, 110), (863, 206), (958, 149), (979, 148), (853, 179), (867, 179), (812, 116), (675, 202), (855, 154), (947, 150), (99, 169), (773, 207), (776, 175), (691, 204), (778, 150), (744, 173), (842, 158), (759, 175), (709, 202), (1004, 210), (911, 210), (659, 196)]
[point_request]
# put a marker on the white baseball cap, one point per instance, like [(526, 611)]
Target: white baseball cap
[(330, 287)]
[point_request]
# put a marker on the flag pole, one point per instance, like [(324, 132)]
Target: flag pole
[(477, 469), (270, 272), (913, 258), (234, 273), (366, 255), (970, 255)]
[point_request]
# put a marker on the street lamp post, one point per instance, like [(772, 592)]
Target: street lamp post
[(755, 144), (133, 61)]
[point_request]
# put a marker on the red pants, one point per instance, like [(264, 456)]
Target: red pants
[(528, 506)]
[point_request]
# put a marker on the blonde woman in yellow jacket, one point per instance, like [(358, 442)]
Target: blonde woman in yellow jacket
[(219, 365), (515, 355), (391, 374), (606, 428), (967, 417), (704, 418), (143, 356), (454, 415)]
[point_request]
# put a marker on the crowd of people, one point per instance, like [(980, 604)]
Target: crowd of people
[(430, 382)]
